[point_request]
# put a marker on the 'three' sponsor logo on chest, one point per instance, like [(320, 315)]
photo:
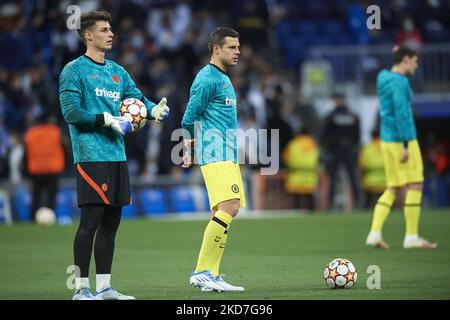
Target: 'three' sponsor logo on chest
[(115, 95)]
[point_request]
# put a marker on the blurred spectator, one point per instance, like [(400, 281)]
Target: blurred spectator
[(277, 121), (252, 20), (16, 52), (371, 167), (4, 147), (45, 162), (301, 158), (340, 139), (168, 25), (409, 36), (356, 20), (438, 155), (16, 158)]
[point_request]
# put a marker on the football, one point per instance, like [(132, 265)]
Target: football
[(340, 273), (45, 216), (136, 111)]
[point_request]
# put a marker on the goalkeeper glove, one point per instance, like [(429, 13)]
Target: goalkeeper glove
[(160, 111), (121, 125)]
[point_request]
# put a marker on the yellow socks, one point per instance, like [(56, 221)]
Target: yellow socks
[(413, 202), (214, 241), (382, 210)]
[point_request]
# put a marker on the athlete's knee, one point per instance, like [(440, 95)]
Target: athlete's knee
[(109, 224), (230, 206), (87, 230), (90, 219)]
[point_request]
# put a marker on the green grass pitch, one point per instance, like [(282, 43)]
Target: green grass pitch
[(273, 258)]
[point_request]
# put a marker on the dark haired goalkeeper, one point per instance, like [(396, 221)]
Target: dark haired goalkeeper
[(90, 91)]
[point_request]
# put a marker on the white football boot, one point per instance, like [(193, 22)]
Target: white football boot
[(205, 281), (227, 286), (418, 243), (83, 294), (111, 294), (375, 240)]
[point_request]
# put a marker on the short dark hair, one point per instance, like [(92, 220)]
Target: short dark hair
[(88, 19), (217, 37), (401, 52)]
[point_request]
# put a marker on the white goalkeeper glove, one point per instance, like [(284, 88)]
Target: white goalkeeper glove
[(121, 125), (161, 111)]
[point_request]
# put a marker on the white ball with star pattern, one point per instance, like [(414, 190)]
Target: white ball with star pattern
[(136, 111), (340, 273)]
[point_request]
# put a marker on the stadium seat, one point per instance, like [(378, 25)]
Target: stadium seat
[(130, 212), (200, 196), (284, 30), (306, 28), (442, 193), (294, 52), (182, 199), (152, 201), (317, 9), (22, 203), (66, 201), (331, 28), (342, 39), (206, 200), (437, 35), (5, 208), (322, 40)]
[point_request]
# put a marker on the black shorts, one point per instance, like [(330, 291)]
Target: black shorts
[(103, 183)]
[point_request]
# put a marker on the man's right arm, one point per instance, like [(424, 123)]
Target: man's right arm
[(70, 93), (200, 96)]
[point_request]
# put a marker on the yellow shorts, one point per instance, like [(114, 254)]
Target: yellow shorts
[(223, 182), (399, 174)]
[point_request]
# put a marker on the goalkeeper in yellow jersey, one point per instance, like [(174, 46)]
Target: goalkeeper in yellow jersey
[(401, 151), (211, 113)]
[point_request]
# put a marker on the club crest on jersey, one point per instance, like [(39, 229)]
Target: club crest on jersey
[(115, 95), (230, 102), (115, 78)]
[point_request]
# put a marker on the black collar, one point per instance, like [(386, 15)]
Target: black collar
[(218, 68), (100, 64)]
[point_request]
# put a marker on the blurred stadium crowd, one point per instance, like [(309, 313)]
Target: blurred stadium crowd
[(162, 44)]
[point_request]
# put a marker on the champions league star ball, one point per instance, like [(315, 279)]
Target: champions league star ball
[(340, 273), (136, 111), (45, 216)]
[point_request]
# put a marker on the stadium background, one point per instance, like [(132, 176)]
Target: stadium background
[(294, 56)]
